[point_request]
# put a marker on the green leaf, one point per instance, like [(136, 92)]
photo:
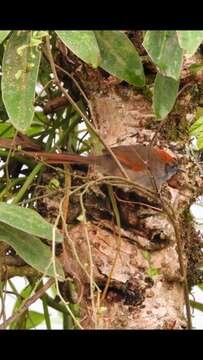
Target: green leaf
[(44, 72), (119, 57), (200, 141), (6, 130), (165, 92), (201, 286), (27, 220), (164, 49), (199, 112), (190, 40), (31, 250), (3, 35), (83, 44), (34, 129), (196, 305), (33, 319), (194, 68), (19, 75), (197, 127)]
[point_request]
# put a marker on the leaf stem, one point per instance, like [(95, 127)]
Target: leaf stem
[(27, 183)]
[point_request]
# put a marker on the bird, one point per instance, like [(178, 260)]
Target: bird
[(146, 165)]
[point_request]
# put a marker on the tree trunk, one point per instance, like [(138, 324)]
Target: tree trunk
[(145, 289)]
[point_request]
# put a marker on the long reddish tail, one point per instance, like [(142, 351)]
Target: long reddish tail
[(59, 158)]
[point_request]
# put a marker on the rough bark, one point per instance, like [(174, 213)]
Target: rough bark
[(145, 290)]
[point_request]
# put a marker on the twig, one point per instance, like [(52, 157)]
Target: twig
[(153, 140), (117, 216), (91, 264), (81, 91), (27, 183), (64, 216), (137, 203), (183, 88), (9, 155), (88, 123), (40, 93), (55, 271), (172, 217), (27, 304)]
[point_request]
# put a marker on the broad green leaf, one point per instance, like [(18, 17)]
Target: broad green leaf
[(164, 49), (27, 220), (119, 57), (165, 92), (3, 35), (83, 44), (19, 76), (190, 40), (33, 251)]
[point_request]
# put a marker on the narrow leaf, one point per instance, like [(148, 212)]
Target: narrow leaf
[(83, 44), (27, 220), (190, 40), (31, 250), (164, 49), (3, 35), (119, 57), (196, 305), (19, 75), (165, 92)]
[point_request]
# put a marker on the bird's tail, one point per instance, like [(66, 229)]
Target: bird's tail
[(59, 158)]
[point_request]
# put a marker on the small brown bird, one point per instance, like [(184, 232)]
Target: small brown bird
[(141, 163)]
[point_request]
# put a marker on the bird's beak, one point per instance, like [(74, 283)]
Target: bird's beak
[(180, 170)]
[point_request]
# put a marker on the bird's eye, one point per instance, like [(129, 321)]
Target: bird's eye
[(171, 168)]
